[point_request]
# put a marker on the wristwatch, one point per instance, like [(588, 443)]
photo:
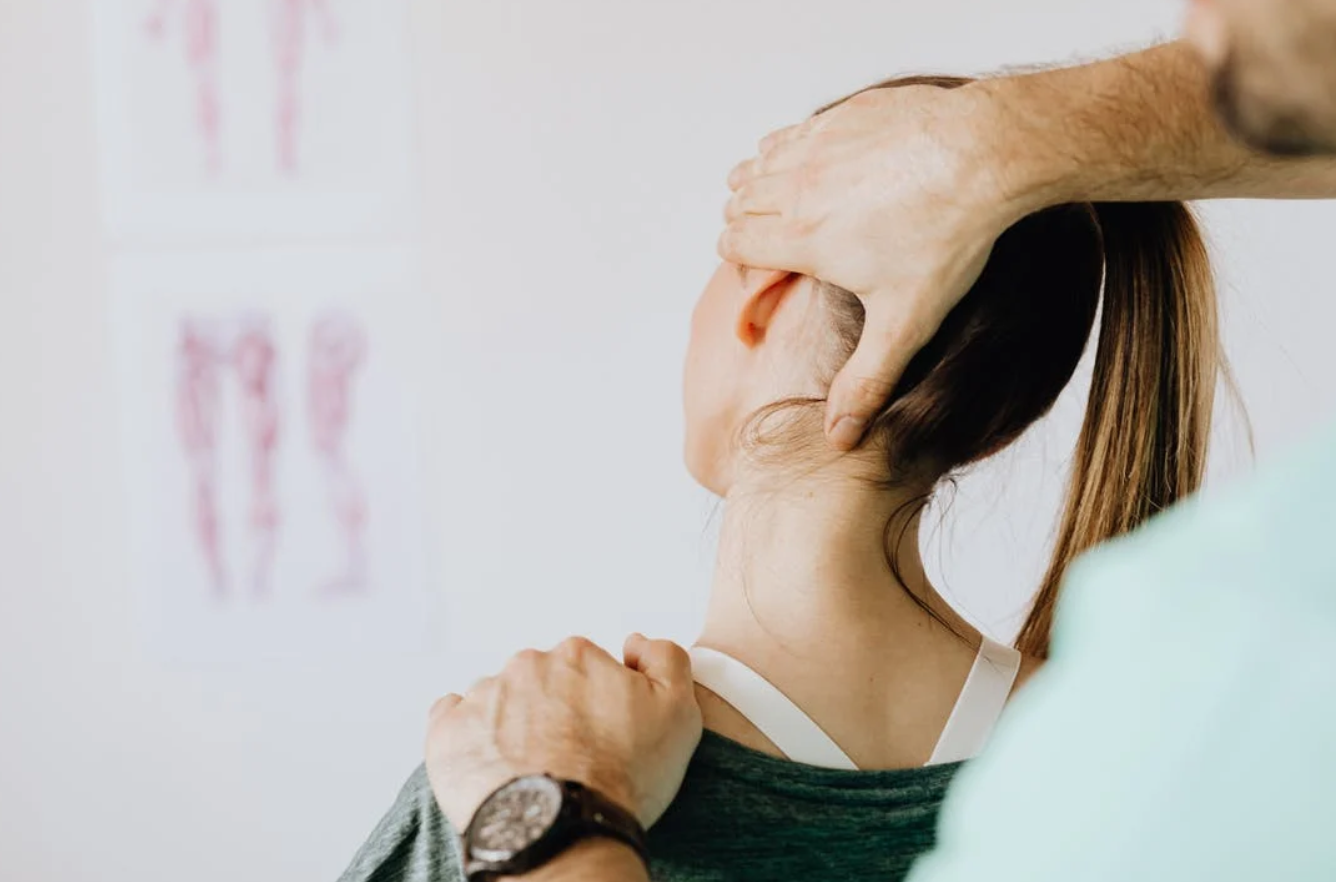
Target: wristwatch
[(530, 820)]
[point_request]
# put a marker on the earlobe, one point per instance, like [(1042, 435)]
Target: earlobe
[(763, 290)]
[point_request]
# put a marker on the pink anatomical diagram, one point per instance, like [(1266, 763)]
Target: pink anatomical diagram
[(338, 349), (199, 358), (207, 354), (254, 359), (292, 22), (197, 24), (241, 352)]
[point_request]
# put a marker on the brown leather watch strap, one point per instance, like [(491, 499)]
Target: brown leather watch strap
[(600, 816)]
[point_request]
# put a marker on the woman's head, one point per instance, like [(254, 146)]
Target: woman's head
[(757, 337), (766, 345), (996, 365)]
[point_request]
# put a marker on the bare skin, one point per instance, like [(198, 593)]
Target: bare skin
[(803, 595), (625, 728), (720, 717), (939, 175), (942, 174)]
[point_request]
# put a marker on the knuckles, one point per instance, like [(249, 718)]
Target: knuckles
[(677, 652), (440, 709), (576, 649), (674, 655), (525, 661)]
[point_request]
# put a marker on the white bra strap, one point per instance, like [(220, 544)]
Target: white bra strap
[(769, 710), (980, 703)]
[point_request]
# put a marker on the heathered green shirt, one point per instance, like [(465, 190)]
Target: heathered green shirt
[(741, 815)]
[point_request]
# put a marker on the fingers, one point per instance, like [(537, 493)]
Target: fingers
[(479, 687), (524, 660), (747, 169), (527, 665), (743, 172), (768, 241), (662, 661), (865, 383), (775, 158), (789, 135), (784, 135), (633, 650), (581, 652), (444, 705), (768, 195)]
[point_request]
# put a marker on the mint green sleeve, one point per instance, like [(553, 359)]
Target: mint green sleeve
[(1185, 726)]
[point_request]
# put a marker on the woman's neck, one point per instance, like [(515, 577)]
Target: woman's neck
[(804, 594), (805, 567)]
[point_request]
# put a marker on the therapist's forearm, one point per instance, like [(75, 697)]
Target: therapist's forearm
[(592, 860), (1136, 128)]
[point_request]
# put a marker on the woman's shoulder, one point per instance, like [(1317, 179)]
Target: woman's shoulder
[(412, 843)]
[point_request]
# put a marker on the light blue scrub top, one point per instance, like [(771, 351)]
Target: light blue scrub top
[(1185, 726)]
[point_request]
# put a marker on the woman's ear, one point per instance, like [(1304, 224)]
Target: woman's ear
[(762, 292)]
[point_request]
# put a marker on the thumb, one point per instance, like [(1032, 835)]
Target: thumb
[(865, 383), (663, 661)]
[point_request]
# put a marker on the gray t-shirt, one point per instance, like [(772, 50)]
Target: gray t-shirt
[(740, 815)]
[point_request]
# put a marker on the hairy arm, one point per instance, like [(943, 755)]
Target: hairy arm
[(898, 194), (1135, 128), (594, 860)]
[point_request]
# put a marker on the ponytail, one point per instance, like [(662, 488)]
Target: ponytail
[(1144, 441), (1003, 355)]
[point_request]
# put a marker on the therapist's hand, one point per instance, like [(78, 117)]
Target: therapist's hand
[(627, 730), (894, 195)]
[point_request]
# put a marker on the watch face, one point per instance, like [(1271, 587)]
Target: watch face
[(515, 817)]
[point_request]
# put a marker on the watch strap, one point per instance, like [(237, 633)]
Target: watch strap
[(600, 816)]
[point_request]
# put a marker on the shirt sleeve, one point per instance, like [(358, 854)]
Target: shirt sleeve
[(412, 843)]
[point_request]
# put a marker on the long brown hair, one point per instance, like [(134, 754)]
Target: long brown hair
[(1011, 345)]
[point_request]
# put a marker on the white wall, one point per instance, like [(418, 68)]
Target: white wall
[(573, 159)]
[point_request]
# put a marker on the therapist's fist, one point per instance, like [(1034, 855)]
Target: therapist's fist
[(626, 729), (895, 195)]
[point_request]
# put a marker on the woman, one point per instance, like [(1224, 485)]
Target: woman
[(839, 691)]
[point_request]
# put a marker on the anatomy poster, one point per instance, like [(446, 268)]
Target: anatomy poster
[(271, 456), (249, 119)]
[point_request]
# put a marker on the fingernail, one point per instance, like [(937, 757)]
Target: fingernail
[(847, 431)]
